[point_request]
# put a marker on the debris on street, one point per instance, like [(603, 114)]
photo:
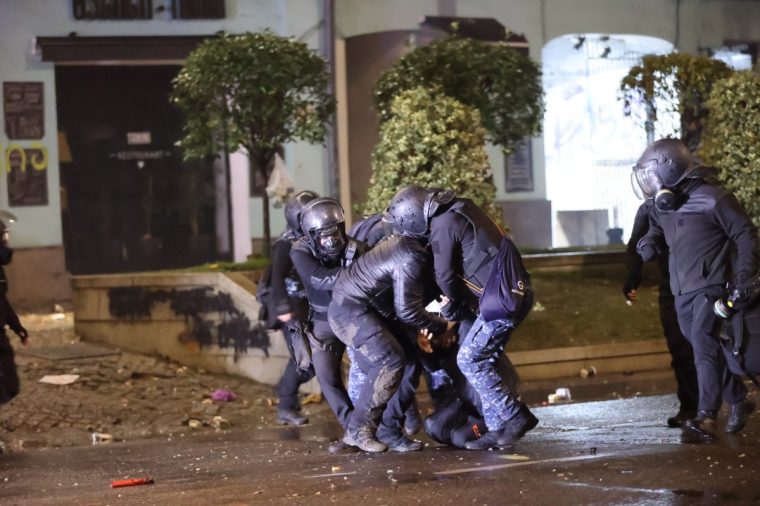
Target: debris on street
[(131, 482), (58, 379), (223, 395)]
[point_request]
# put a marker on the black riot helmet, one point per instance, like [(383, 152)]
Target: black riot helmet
[(294, 208), (662, 167), (410, 210), (324, 225)]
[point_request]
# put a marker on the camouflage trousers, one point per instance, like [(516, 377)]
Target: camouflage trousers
[(477, 359), (356, 377)]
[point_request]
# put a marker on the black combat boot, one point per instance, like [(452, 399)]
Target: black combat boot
[(397, 441), (738, 414), (487, 441), (679, 418), (289, 416), (364, 438), (517, 426), (702, 427)]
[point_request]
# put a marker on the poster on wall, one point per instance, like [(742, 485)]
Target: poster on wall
[(24, 106), (518, 169), (27, 176)]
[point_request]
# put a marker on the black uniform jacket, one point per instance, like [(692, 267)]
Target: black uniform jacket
[(703, 234), (318, 278), (464, 240), (283, 274), (633, 261), (392, 278)]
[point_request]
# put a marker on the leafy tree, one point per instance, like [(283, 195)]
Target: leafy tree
[(674, 83), (731, 140), (256, 91), (433, 141), (503, 84)]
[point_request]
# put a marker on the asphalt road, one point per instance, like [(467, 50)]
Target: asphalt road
[(608, 452)]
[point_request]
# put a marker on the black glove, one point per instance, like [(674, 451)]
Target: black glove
[(23, 334), (632, 283), (457, 310), (744, 293)]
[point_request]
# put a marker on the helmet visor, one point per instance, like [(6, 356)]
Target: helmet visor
[(645, 181), (330, 241)]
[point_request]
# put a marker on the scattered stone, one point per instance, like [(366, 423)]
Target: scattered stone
[(100, 437), (221, 423)]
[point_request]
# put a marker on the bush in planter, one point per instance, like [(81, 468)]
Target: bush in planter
[(256, 91), (431, 140), (502, 83), (732, 138), (676, 83)]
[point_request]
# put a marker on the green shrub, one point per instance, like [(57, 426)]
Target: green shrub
[(257, 91), (676, 83), (502, 83), (732, 138), (431, 140)]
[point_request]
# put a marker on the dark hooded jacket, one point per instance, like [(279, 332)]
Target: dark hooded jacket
[(711, 239), (319, 277)]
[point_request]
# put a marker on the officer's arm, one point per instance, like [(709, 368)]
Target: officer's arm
[(281, 267), (447, 255), (11, 318), (633, 261), (311, 271), (653, 243), (6, 254), (409, 293), (739, 227)]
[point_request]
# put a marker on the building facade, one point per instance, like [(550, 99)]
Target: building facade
[(89, 166)]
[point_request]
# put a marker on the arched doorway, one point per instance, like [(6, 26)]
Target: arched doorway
[(590, 145)]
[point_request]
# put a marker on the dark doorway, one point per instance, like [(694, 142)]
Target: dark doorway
[(129, 201)]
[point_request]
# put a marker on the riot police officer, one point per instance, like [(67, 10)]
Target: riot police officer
[(291, 309), (371, 230), (386, 283), (6, 252), (9, 381), (681, 353), (704, 226), (465, 243), (319, 256)]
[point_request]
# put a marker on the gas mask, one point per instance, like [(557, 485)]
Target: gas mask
[(330, 241), (647, 185)]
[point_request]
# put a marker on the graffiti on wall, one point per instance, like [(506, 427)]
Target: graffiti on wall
[(199, 307)]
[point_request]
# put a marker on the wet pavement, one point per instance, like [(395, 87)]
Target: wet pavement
[(607, 452)]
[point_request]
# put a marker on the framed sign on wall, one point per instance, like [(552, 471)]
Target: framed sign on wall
[(27, 175), (518, 169), (24, 106)]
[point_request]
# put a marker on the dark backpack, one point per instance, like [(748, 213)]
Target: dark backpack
[(369, 230), (507, 294), (264, 296)]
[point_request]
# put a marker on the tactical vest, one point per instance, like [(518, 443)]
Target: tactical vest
[(485, 247)]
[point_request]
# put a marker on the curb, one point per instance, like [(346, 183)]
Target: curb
[(557, 363)]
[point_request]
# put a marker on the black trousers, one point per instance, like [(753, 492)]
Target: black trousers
[(9, 383), (326, 356), (392, 373), (681, 354), (293, 377), (455, 424), (702, 328), (291, 380)]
